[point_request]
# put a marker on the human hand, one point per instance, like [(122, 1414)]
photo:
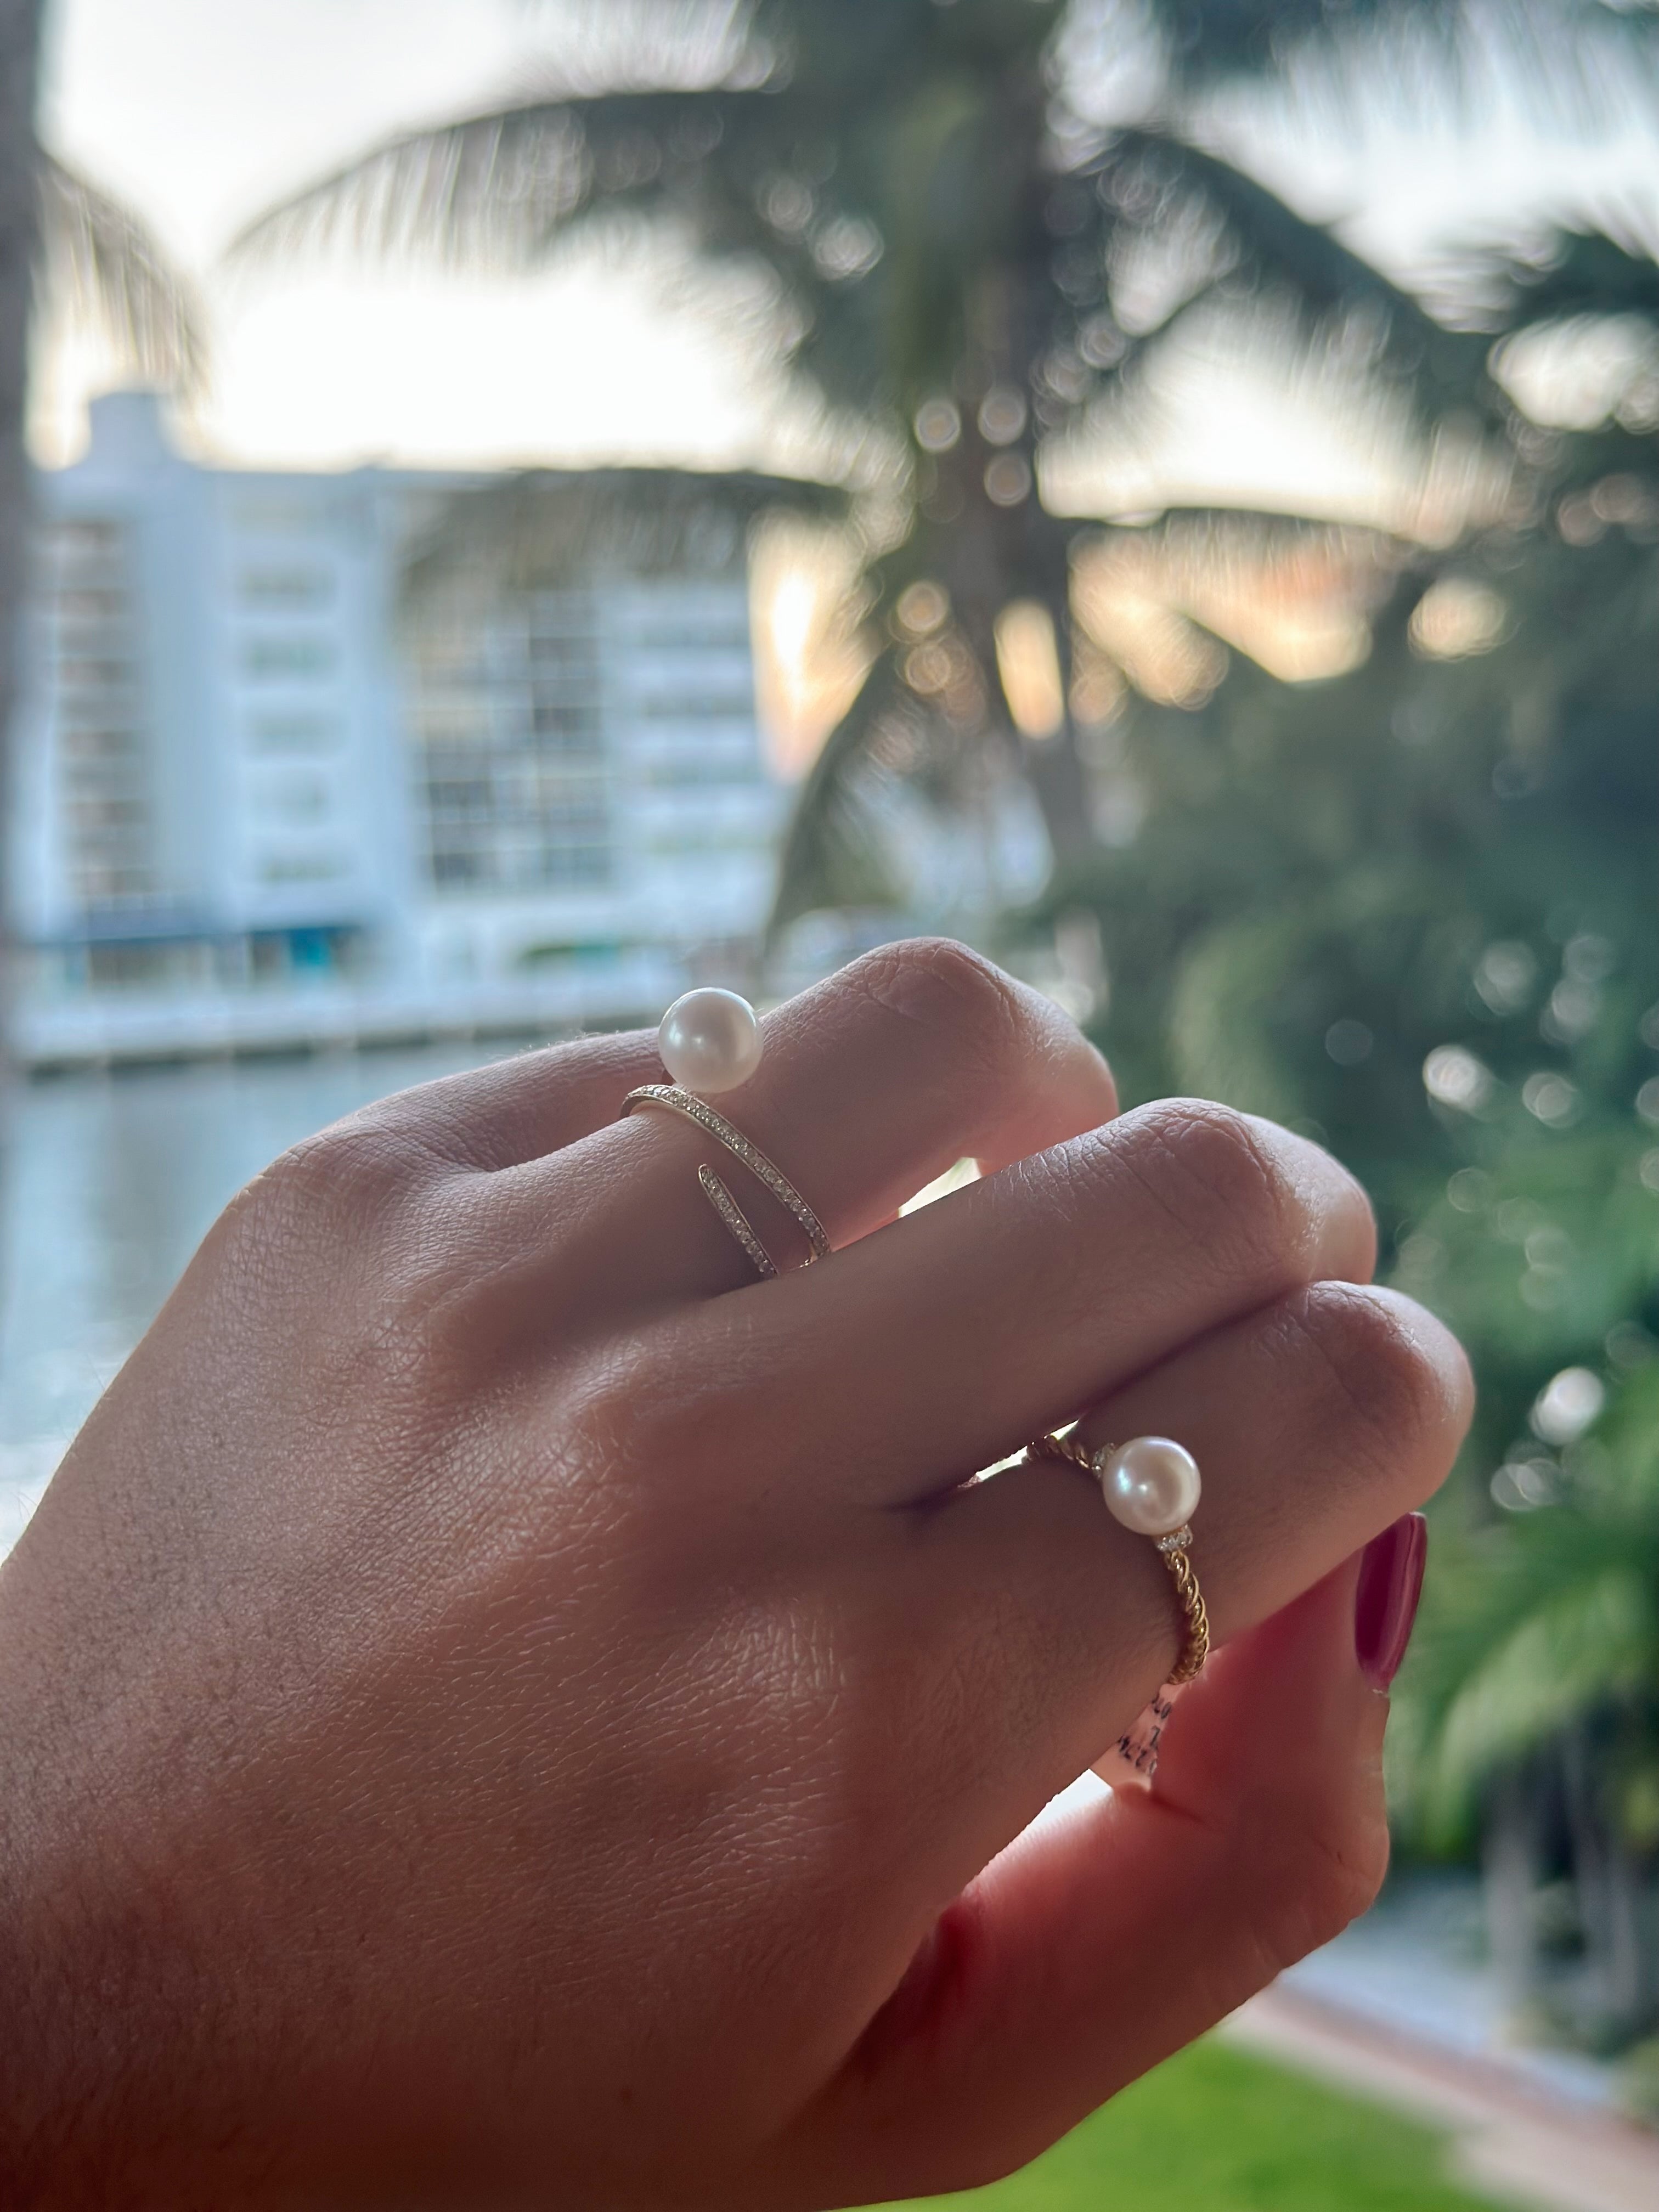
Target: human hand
[(499, 1708)]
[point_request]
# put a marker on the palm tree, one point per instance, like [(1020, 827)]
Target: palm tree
[(20, 28), (950, 236)]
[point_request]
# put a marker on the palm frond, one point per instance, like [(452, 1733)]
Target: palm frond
[(1542, 1622), (98, 261), (502, 186), (1568, 274), (543, 528), (641, 46), (1263, 248), (1590, 1642), (1569, 61)]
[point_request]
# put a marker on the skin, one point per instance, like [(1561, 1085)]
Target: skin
[(500, 1708)]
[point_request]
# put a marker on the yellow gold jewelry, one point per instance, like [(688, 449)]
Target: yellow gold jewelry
[(1150, 1485), (737, 1222), (678, 1100)]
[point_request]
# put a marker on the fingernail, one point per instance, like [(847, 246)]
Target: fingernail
[(1390, 1584)]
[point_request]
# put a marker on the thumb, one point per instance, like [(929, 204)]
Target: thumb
[(1105, 1938)]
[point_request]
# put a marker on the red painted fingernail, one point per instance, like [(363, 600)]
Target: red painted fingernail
[(1390, 1584)]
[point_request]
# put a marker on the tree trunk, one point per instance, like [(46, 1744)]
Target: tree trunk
[(1510, 1858), (1055, 772), (1051, 766), (1610, 1898), (19, 25)]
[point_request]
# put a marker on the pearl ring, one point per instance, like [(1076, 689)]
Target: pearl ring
[(710, 1042), (1152, 1487)]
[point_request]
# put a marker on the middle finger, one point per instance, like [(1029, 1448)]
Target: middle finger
[(945, 1342)]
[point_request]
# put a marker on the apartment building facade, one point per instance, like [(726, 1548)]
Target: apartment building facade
[(256, 803)]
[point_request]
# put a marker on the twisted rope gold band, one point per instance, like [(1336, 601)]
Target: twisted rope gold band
[(1173, 1549), (686, 1103)]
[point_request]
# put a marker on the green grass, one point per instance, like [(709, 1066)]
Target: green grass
[(1216, 2131)]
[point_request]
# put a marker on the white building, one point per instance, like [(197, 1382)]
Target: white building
[(256, 805)]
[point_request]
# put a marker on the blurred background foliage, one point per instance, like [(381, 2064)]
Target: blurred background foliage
[(1350, 826)]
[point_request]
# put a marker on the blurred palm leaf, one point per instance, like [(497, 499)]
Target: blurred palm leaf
[(1150, 180), (1569, 60), (1552, 1617), (1570, 273), (503, 187), (97, 261), (540, 529), (1578, 1647)]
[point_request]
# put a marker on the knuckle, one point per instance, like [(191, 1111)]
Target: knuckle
[(606, 1415), (1330, 1875), (638, 1412), (1337, 1866), (354, 1168), (1215, 1171), (948, 990), (1389, 1394)]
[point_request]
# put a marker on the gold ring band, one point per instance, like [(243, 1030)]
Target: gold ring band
[(734, 1218), (677, 1100), (1174, 1549)]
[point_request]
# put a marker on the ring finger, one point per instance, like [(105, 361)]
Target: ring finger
[(871, 1084), (1317, 1421)]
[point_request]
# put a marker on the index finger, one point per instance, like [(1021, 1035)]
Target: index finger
[(871, 1084)]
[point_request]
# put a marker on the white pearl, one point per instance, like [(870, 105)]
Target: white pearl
[(1152, 1485), (710, 1041)]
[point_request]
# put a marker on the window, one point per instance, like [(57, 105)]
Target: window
[(572, 652), (294, 733), (296, 798), (130, 965), (321, 866), (85, 605), (99, 685), (456, 863), (283, 513), (508, 708), (106, 812), (692, 772), (285, 591), (82, 746), (296, 656), (576, 729), (467, 797), (84, 540)]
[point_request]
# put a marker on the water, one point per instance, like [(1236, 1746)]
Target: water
[(110, 1183)]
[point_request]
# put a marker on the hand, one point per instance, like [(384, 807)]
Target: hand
[(499, 1707)]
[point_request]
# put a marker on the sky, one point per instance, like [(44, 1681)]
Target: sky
[(199, 111)]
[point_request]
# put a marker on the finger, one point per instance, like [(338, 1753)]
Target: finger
[(524, 1108), (1104, 1940), (869, 1085), (1036, 1628), (1002, 1310)]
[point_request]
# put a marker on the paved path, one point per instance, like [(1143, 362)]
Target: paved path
[(1513, 2140)]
